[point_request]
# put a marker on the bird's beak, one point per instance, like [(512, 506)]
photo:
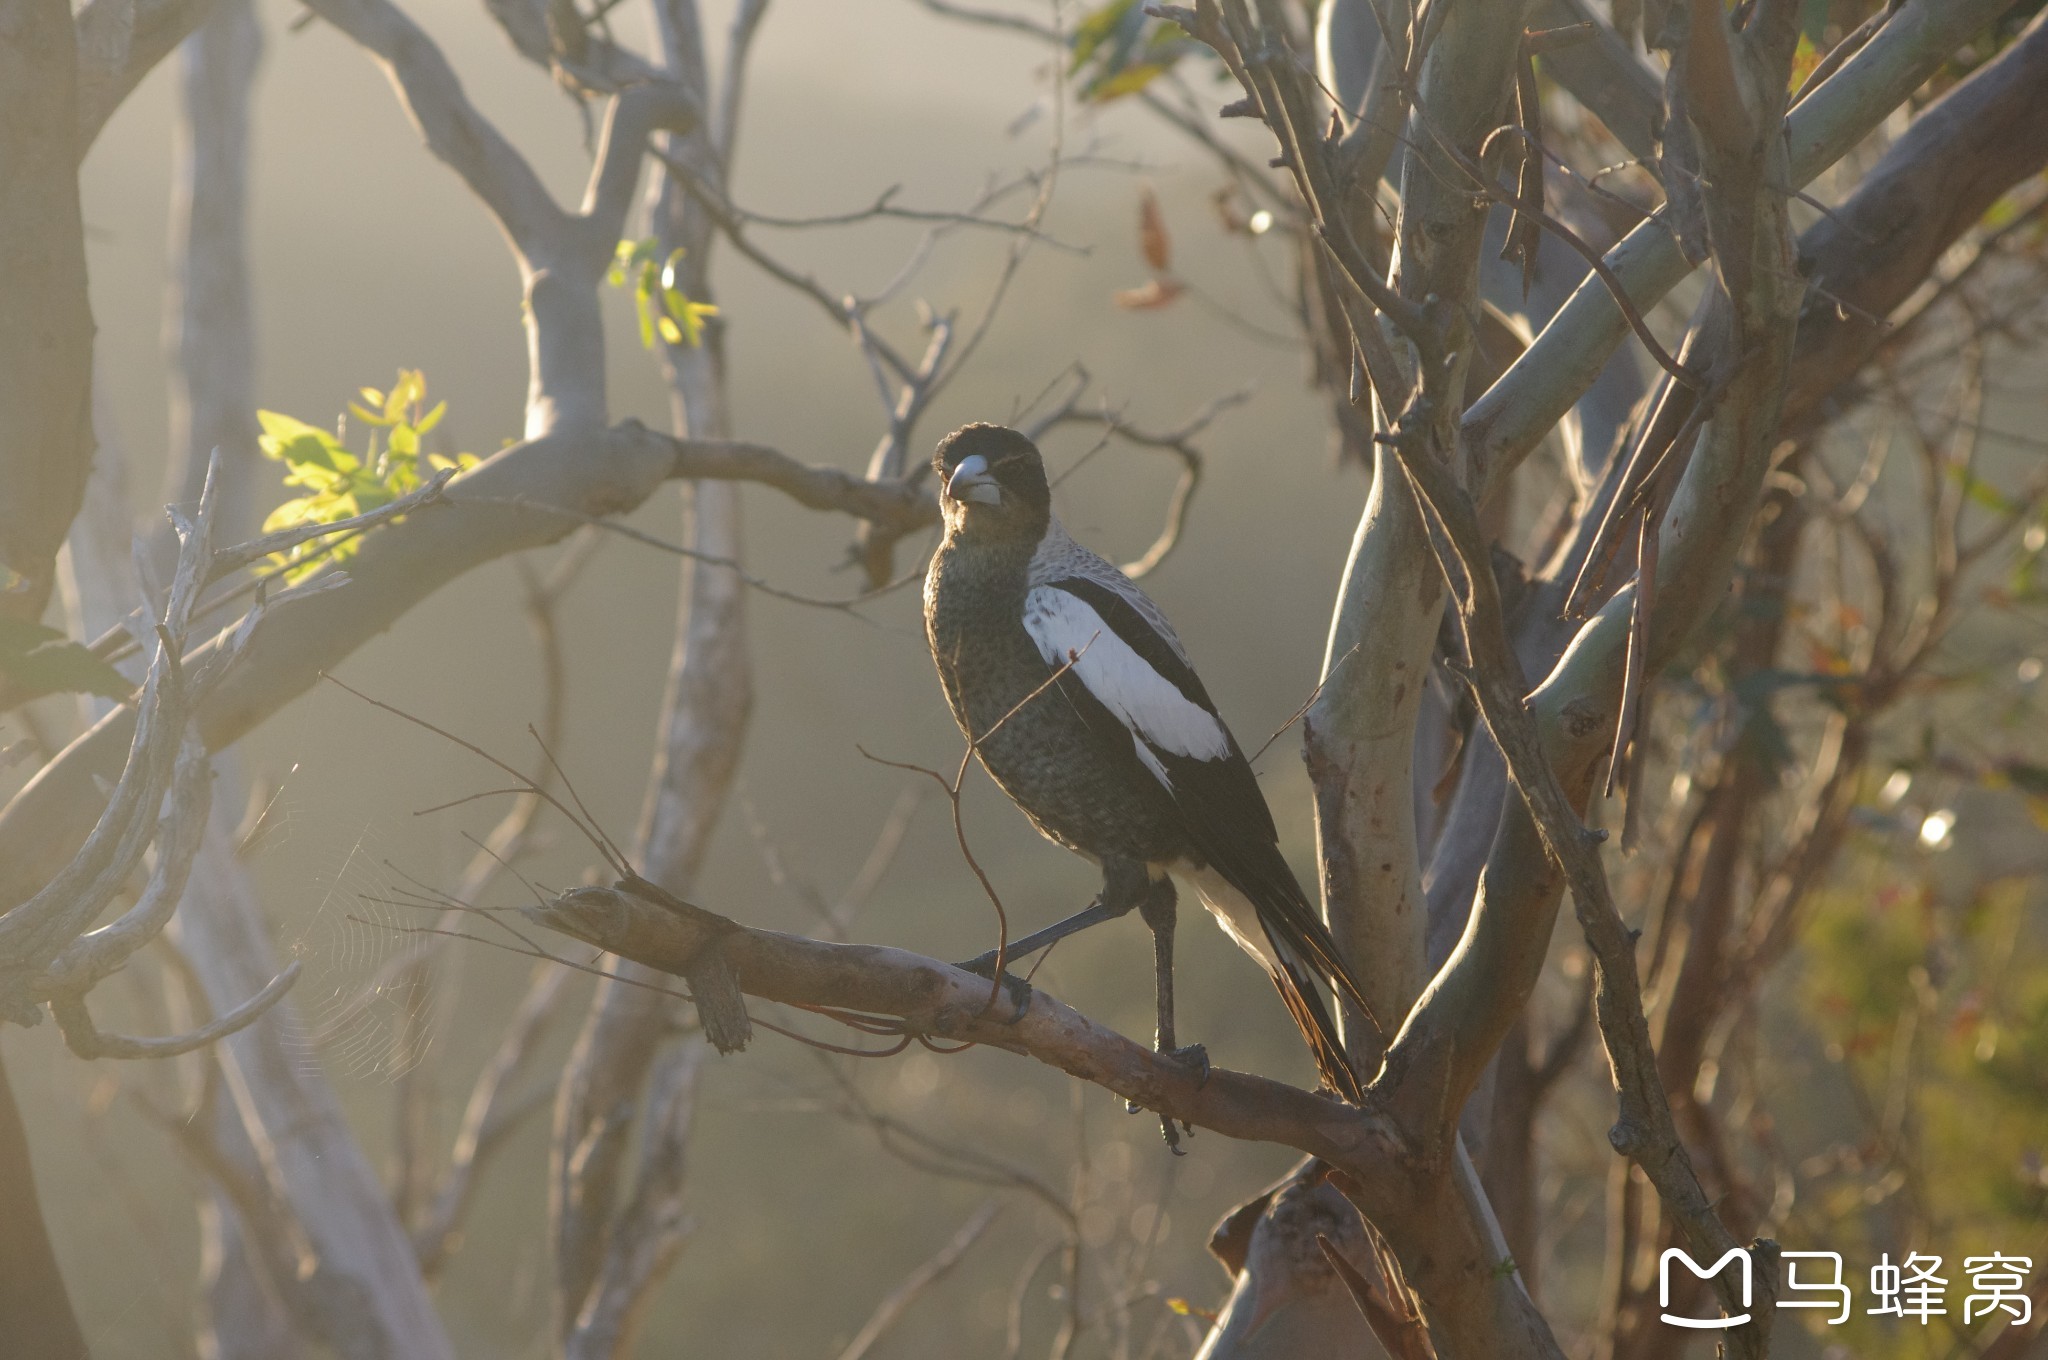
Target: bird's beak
[(971, 482)]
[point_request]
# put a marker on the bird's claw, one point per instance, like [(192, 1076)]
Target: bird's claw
[(1015, 988), (1189, 1055), (1019, 992), (981, 965)]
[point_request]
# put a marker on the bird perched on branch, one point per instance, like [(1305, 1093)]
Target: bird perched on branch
[(1082, 704)]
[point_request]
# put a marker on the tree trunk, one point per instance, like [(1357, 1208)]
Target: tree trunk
[(614, 1243), (35, 1310), (45, 318), (209, 331)]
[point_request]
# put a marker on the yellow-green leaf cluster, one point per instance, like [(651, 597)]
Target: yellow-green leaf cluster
[(665, 311), (1118, 49), (340, 483)]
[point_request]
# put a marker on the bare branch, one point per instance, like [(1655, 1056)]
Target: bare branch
[(120, 42), (933, 998), (455, 131), (1517, 411), (87, 1040), (927, 1274), (1429, 1219)]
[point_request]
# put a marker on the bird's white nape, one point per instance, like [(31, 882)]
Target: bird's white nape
[(1068, 629)]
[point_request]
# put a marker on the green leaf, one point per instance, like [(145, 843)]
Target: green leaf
[(341, 484), (282, 427), (411, 388), (1130, 80), (1098, 26), (38, 660), (1981, 491), (290, 513), (1122, 50)]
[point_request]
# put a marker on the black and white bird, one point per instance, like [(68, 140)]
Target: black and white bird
[(1082, 705)]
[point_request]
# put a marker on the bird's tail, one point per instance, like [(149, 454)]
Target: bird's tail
[(1270, 917), (1305, 1004)]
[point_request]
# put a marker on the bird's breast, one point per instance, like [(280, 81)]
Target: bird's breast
[(1080, 789)]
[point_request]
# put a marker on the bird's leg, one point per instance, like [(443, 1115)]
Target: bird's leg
[(1125, 884), (1159, 912), (1094, 914)]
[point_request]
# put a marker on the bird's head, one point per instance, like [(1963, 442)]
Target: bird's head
[(992, 480)]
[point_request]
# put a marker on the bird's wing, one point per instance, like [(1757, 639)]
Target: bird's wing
[(1134, 670), (1059, 559), (1132, 683)]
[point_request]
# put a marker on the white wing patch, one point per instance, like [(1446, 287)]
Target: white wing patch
[(1064, 626), (1058, 556)]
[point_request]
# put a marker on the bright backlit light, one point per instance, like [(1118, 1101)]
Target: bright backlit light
[(1934, 832)]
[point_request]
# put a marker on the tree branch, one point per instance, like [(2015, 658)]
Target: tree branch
[(943, 1002), (504, 506), (455, 131), (46, 328), (120, 42), (1533, 395)]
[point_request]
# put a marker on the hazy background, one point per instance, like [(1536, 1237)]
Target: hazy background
[(369, 255)]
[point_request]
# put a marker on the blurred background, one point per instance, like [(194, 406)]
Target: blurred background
[(809, 1201), (369, 256)]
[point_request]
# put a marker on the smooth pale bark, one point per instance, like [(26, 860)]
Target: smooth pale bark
[(46, 328), (357, 1289), (331, 1192), (1359, 735), (209, 330), (361, 1293), (1516, 413), (242, 1316), (1286, 1300), (617, 1239), (120, 42), (1959, 156), (35, 1309)]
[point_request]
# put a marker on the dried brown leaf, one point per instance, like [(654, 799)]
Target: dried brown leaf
[(1152, 295), (1153, 240)]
